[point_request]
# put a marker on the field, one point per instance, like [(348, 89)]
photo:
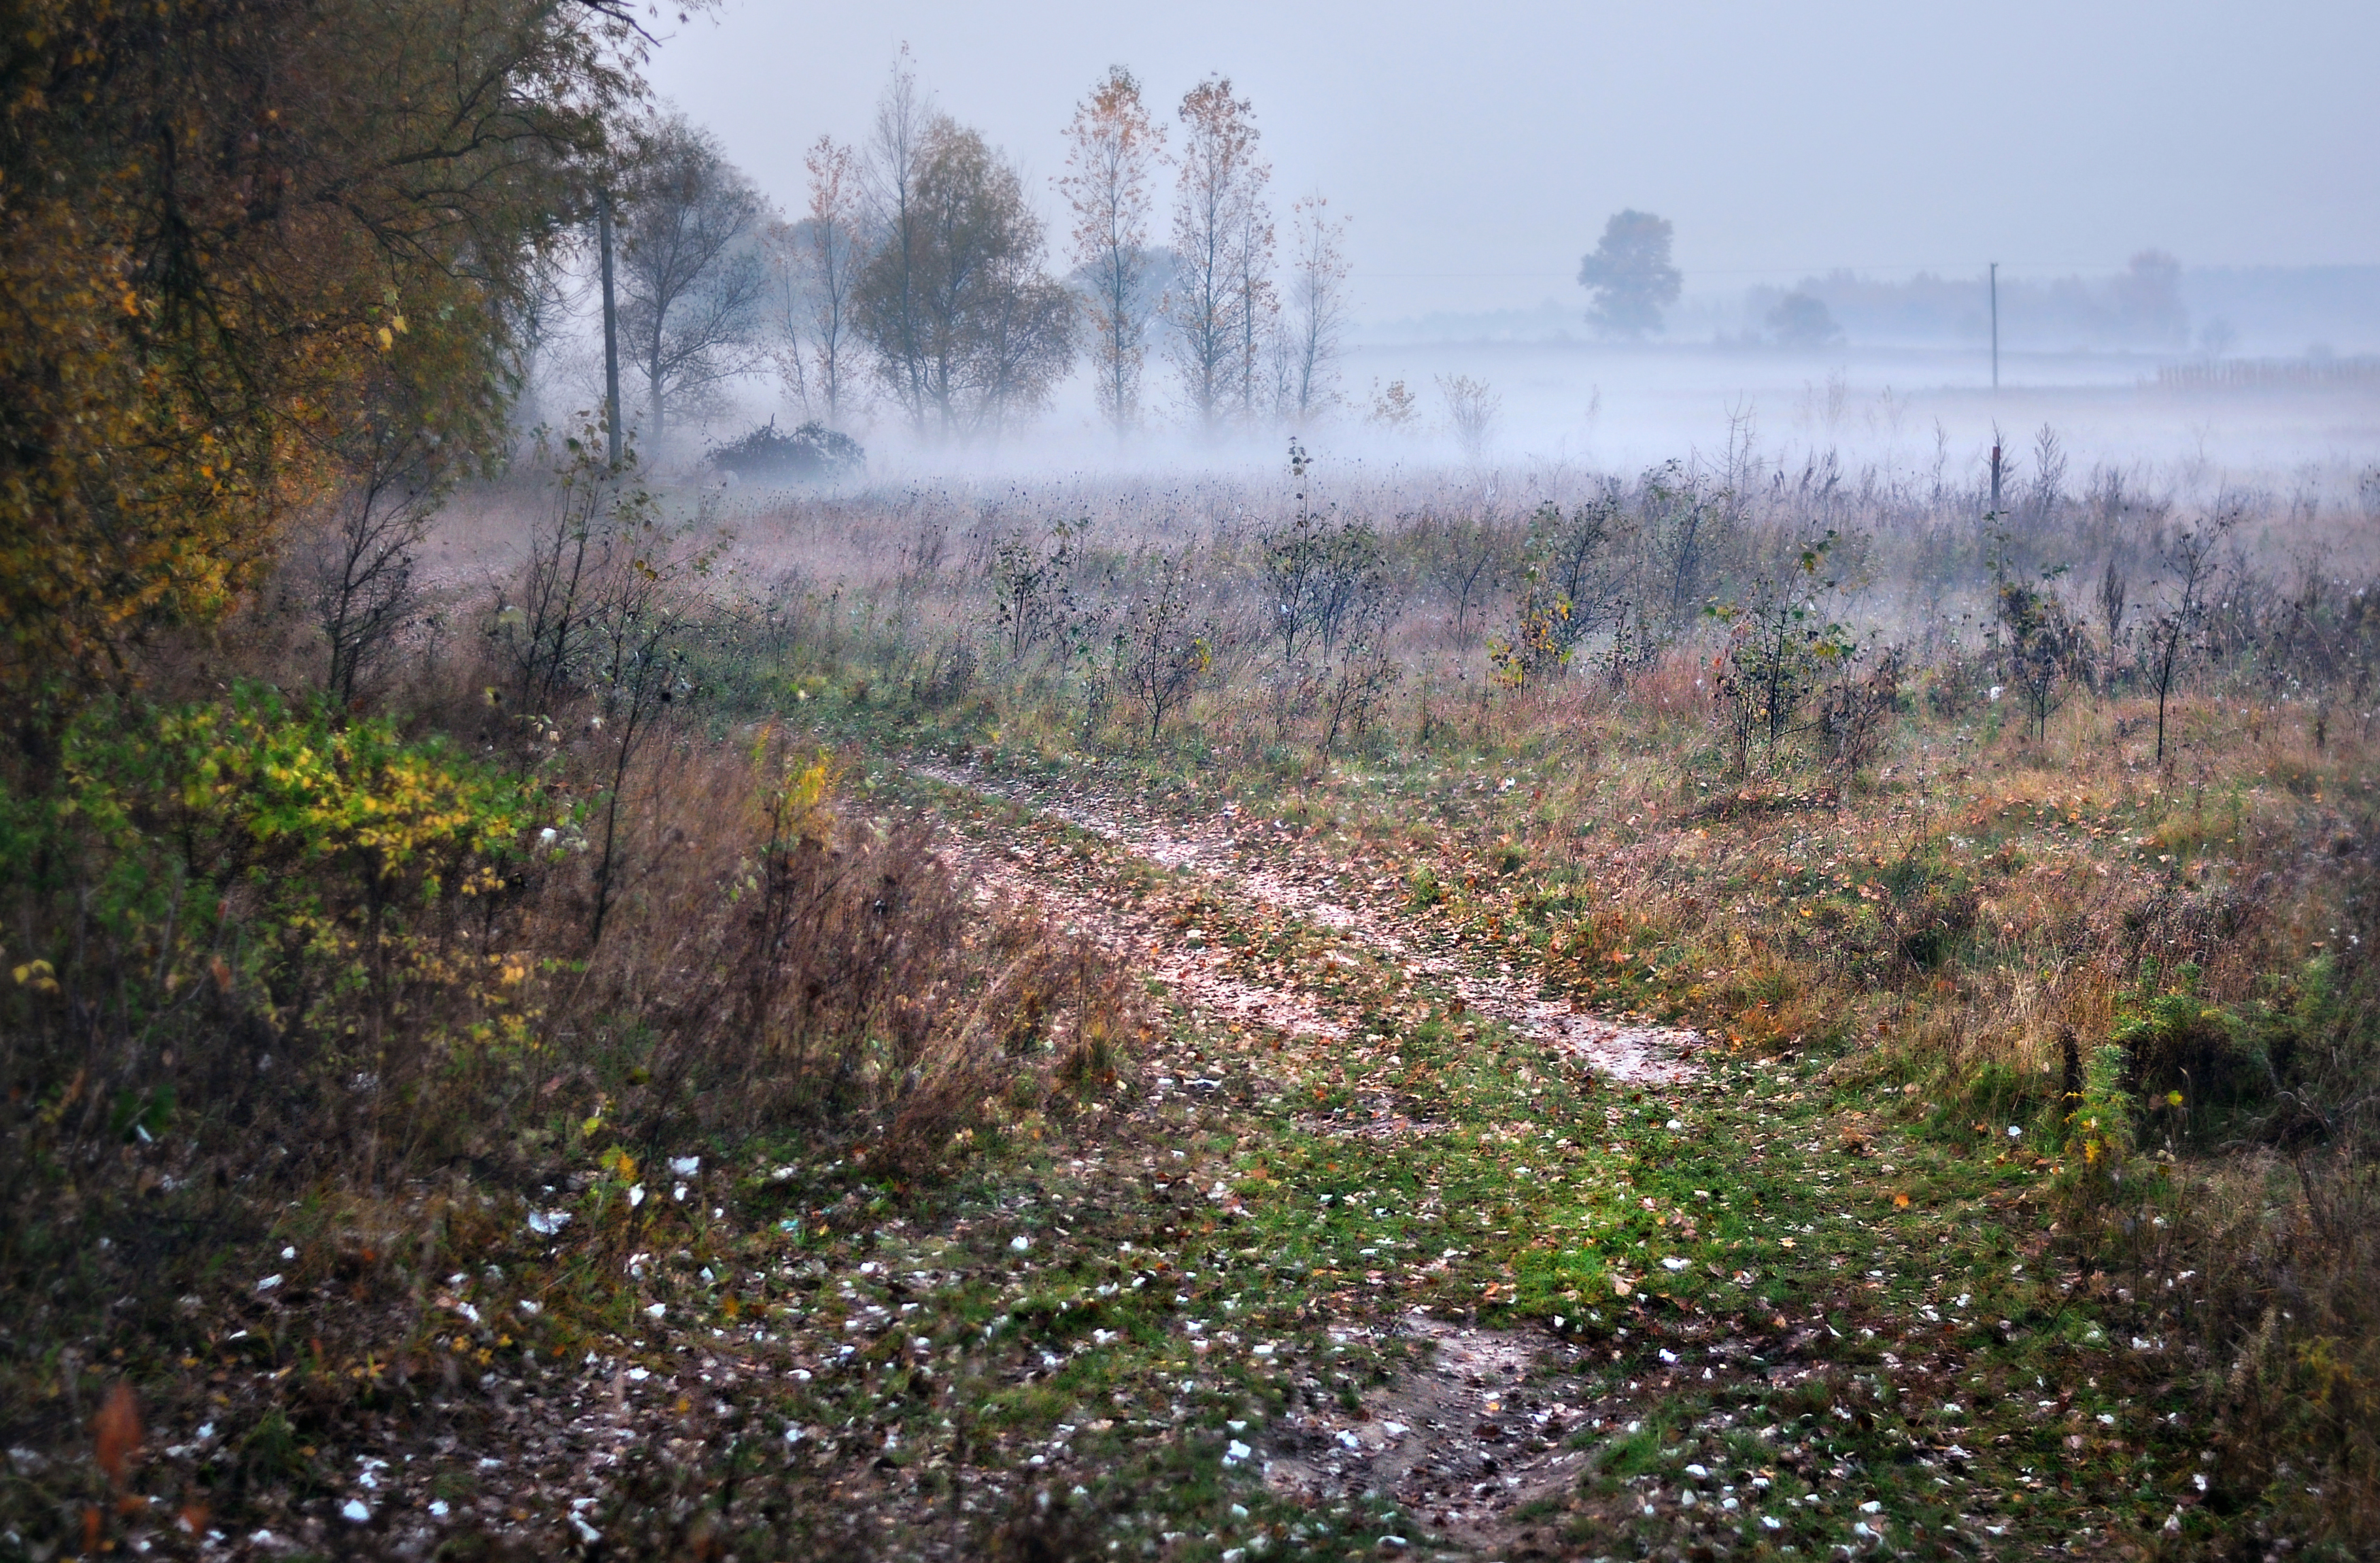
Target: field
[(1742, 1012)]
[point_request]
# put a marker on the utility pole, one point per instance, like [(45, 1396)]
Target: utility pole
[(1995, 317), (612, 328)]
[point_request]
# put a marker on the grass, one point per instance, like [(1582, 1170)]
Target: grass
[(2014, 1204)]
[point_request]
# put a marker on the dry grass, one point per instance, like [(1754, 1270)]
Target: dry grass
[(1968, 915)]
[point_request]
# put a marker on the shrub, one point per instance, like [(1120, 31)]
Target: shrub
[(811, 454), (240, 908)]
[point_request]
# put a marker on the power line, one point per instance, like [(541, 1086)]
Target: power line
[(1950, 268)]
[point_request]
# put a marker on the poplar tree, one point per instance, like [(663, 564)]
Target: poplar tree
[(1222, 301), (1114, 148), (1310, 337), (818, 259)]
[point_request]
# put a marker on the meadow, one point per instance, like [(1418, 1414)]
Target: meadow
[(1746, 1008)]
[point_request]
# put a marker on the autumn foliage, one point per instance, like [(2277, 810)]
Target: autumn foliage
[(227, 229)]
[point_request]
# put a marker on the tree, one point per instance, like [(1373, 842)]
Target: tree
[(1802, 320), (695, 277), (818, 259), (1113, 147), (1310, 338), (1222, 242), (1630, 274), (1472, 409), (2173, 634), (891, 315), (222, 220), (357, 568), (962, 315)]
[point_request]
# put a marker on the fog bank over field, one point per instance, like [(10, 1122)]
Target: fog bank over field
[(1507, 241), (1567, 411)]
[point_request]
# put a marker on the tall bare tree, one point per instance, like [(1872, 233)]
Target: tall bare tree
[(1259, 305), (692, 267), (895, 311), (1113, 149), (962, 315), (1222, 241), (817, 262), (1311, 336)]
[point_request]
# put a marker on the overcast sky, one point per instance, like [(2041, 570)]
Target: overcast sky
[(1479, 146)]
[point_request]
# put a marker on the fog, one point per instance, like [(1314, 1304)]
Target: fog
[(1877, 157)]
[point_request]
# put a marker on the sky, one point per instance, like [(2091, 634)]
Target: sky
[(1479, 148)]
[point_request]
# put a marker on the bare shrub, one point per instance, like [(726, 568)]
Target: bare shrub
[(1463, 562), (1032, 590), (1157, 657), (1569, 584), (1855, 716)]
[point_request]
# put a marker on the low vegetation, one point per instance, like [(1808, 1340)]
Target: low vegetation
[(735, 1037), (1753, 1011)]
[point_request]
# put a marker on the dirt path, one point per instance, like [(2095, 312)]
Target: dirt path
[(1248, 860), (1478, 1432)]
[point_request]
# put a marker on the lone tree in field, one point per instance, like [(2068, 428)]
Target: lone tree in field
[(1223, 303), (1802, 320), (692, 267), (1114, 148), (1631, 274)]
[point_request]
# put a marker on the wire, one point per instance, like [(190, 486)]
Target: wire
[(1949, 270)]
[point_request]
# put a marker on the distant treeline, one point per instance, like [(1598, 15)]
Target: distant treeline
[(2268, 375), (2139, 307)]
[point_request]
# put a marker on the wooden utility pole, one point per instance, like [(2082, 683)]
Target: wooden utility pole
[(611, 327), (1996, 323)]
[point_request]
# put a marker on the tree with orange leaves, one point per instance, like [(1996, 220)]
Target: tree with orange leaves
[(1221, 305), (1113, 149)]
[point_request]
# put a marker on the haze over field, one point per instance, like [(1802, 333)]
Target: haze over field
[(927, 783), (1871, 158)]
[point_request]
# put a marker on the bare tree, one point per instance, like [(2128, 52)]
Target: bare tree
[(2048, 473), (1472, 409), (963, 316), (357, 566), (818, 260), (1113, 149), (894, 314), (1222, 242), (696, 280), (1317, 308), (2173, 634), (1258, 307)]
